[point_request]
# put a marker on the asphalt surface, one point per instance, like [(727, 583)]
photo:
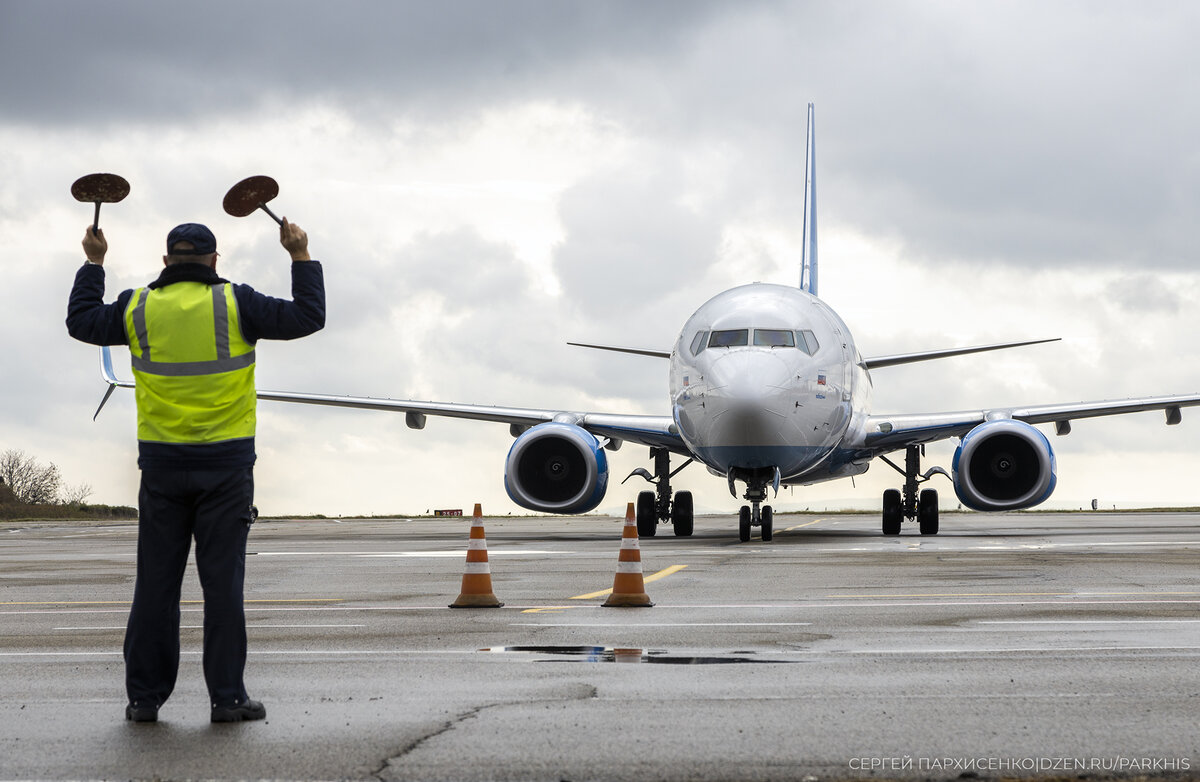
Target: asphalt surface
[(1008, 646)]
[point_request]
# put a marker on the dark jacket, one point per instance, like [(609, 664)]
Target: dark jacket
[(90, 320)]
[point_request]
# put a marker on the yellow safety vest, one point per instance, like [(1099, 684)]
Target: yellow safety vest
[(194, 371)]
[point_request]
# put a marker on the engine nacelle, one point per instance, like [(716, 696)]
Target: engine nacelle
[(1004, 465), (556, 468)]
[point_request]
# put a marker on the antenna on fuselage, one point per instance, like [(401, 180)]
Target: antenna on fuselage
[(808, 265)]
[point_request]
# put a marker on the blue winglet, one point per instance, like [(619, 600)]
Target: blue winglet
[(110, 377), (106, 366)]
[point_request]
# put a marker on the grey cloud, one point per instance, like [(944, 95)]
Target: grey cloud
[(630, 240), (176, 62), (1140, 293), (1017, 133)]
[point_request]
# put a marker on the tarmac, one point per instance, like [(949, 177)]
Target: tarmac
[(1018, 645)]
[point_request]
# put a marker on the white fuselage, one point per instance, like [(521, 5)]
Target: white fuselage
[(767, 376)]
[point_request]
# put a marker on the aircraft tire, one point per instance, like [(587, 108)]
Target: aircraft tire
[(647, 515), (768, 522), (927, 511), (744, 524), (682, 515), (893, 512)]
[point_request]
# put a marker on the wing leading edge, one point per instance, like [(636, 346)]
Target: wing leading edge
[(878, 362), (889, 432), (649, 430)]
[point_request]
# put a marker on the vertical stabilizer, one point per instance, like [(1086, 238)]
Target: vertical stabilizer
[(808, 268)]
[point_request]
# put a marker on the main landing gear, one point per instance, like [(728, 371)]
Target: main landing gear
[(659, 505), (750, 516), (909, 504)]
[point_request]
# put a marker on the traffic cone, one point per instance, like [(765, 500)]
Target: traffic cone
[(477, 580), (629, 589)]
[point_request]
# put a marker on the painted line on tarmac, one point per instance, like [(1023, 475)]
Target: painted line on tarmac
[(628, 625), (249, 609), (950, 543), (199, 602), (1015, 650), (834, 604), (918, 604), (437, 554), (660, 574), (1088, 621), (801, 526), (810, 653), (256, 653), (201, 627), (878, 596)]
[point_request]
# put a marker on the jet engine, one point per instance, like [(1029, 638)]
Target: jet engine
[(1004, 465), (556, 468)]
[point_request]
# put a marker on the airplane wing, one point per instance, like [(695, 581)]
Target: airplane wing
[(878, 362), (875, 362), (889, 432), (634, 351), (650, 430)]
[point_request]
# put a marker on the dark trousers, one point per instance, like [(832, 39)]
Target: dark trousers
[(173, 506)]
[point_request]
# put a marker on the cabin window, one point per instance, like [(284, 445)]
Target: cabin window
[(698, 343), (733, 338), (774, 338), (807, 341)]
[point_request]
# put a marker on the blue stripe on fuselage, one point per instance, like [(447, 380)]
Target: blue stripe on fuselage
[(790, 459)]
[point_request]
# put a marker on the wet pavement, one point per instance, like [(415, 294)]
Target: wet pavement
[(1060, 644)]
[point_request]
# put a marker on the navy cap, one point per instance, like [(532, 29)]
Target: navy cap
[(202, 240)]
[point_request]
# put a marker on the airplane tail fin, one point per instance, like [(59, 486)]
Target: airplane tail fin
[(808, 268)]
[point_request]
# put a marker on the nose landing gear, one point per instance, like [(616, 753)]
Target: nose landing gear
[(752, 515)]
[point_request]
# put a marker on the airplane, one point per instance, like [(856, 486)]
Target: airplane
[(768, 389)]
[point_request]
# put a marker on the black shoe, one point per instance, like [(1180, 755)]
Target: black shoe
[(238, 712), (141, 712)]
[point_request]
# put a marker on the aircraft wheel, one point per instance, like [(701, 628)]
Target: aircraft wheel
[(927, 511), (744, 524), (682, 516), (647, 514), (768, 521), (893, 512)]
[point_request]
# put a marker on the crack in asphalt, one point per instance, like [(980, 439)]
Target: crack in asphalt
[(585, 692)]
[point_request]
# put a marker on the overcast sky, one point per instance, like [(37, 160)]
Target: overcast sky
[(487, 180)]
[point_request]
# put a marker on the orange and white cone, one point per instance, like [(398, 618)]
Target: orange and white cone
[(629, 588), (477, 580)]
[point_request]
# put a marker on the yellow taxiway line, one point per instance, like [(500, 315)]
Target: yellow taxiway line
[(660, 574), (798, 526)]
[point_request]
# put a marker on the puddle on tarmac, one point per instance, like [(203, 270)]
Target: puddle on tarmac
[(609, 654)]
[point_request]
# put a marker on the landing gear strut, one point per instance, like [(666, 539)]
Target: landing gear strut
[(911, 504), (752, 515), (658, 505)]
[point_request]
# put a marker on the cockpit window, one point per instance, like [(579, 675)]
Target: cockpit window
[(764, 338), (807, 341), (734, 338), (774, 338)]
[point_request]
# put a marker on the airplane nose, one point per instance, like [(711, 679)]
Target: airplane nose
[(749, 397), (750, 407), (748, 377)]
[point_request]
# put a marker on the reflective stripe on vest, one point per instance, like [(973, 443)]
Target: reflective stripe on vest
[(193, 369)]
